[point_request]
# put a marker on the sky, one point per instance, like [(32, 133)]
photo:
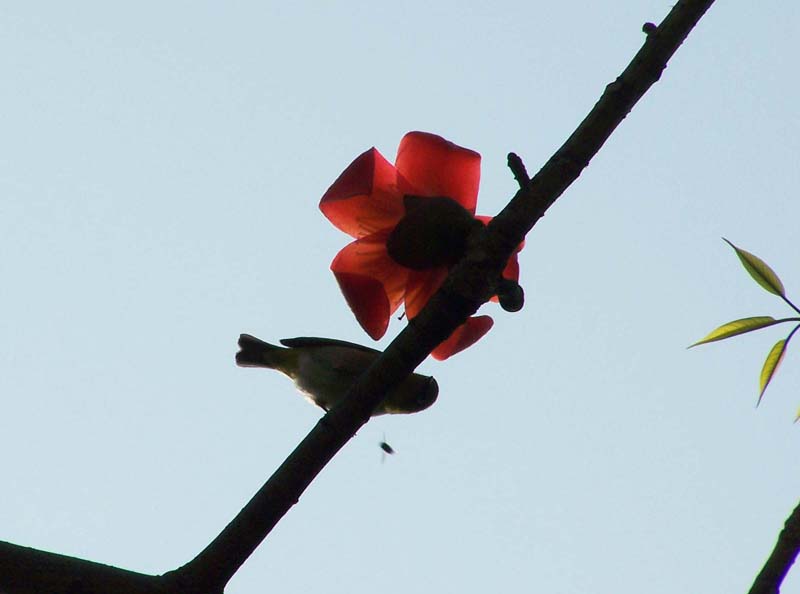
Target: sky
[(161, 166)]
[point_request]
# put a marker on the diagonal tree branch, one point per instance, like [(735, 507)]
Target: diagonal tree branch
[(469, 285), (781, 559)]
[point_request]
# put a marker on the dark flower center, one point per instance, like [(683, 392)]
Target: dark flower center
[(432, 233)]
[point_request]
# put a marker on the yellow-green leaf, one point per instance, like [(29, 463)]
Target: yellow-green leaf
[(759, 270), (774, 359), (737, 327)]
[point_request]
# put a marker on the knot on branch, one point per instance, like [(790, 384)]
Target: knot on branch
[(510, 295)]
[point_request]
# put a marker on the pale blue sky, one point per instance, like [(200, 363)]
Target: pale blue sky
[(160, 169)]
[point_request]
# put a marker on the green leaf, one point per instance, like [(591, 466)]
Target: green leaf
[(737, 327), (759, 270), (774, 359)]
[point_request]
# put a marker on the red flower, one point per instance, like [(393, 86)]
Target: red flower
[(370, 199)]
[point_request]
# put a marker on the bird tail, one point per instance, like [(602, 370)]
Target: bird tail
[(257, 353)]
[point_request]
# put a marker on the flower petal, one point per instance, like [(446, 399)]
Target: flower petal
[(511, 271), (365, 198), (367, 300), (463, 337), (420, 287), (434, 166), (372, 284)]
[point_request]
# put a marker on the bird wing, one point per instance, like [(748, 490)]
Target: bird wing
[(308, 341)]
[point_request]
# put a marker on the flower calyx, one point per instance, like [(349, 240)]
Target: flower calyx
[(433, 233)]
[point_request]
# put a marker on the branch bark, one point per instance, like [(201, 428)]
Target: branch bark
[(25, 571), (781, 559), (469, 285)]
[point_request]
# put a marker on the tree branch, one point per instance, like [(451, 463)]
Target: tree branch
[(471, 283), (771, 577), (27, 571), (564, 167)]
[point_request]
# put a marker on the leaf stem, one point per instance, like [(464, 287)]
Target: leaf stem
[(782, 320), (792, 305)]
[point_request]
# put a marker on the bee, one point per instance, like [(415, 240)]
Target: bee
[(387, 449)]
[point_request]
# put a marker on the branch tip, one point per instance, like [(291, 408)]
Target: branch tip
[(517, 167)]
